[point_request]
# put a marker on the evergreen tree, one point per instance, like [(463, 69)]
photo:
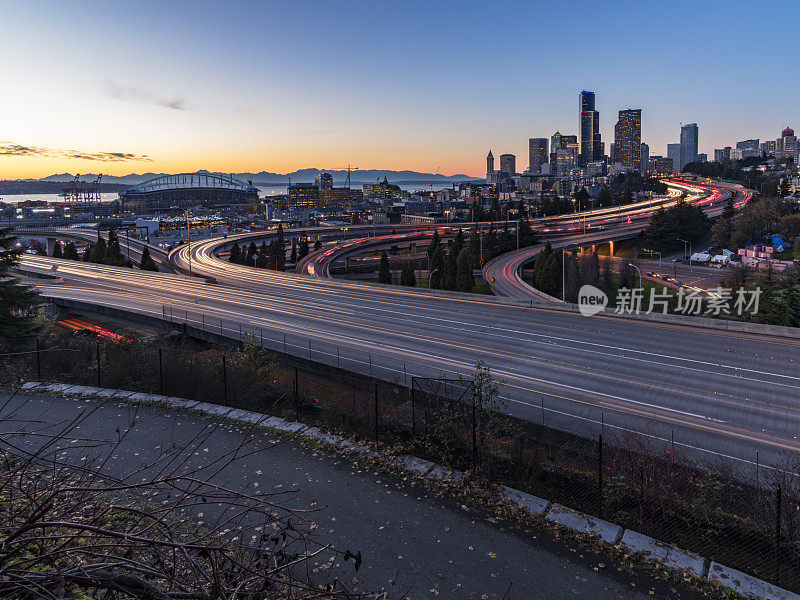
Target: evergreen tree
[(303, 249), (465, 280), (437, 269), (607, 275), (147, 263), (99, 251), (384, 273), (70, 252), (41, 250), (434, 244), (280, 248), (458, 241), (236, 254), (407, 277), (722, 230), (317, 245), (19, 303), (57, 251), (293, 255), (573, 276), (113, 255), (263, 256), (450, 277), (252, 249)]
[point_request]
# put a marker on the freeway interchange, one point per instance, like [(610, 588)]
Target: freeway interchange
[(708, 391)]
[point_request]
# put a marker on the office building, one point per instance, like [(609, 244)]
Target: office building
[(660, 165), (589, 140), (689, 144), (722, 154), (628, 138), (537, 154), (489, 163), (303, 196), (644, 154), (674, 154), (560, 142), (768, 146), (325, 181), (508, 164), (747, 145), (703, 157)]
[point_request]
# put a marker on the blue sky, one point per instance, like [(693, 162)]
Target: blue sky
[(416, 85)]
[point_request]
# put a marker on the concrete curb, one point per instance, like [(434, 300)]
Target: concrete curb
[(665, 554)]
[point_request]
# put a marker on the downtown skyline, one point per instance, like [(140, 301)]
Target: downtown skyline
[(375, 87)]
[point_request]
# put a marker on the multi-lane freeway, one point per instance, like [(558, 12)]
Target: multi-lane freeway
[(603, 225), (719, 390)]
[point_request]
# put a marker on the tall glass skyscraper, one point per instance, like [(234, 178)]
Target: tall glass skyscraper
[(628, 138), (689, 147), (589, 140), (537, 153)]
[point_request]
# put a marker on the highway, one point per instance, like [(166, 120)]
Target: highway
[(706, 389), (131, 247), (504, 272)]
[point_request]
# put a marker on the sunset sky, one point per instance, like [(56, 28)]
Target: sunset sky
[(121, 87)]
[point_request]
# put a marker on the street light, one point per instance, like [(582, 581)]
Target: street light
[(431, 275), (684, 251), (563, 275), (638, 271), (189, 240)]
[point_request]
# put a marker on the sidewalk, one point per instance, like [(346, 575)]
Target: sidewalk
[(414, 544)]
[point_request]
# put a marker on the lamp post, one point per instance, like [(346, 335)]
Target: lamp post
[(638, 271), (189, 241), (431, 275), (689, 256)]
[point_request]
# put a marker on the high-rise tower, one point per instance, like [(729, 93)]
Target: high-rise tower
[(489, 163), (589, 140), (628, 138), (537, 153), (689, 135)]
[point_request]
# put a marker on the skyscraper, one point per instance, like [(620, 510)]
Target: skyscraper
[(537, 154), (508, 164), (589, 141), (644, 153), (689, 134), (674, 153), (628, 138), (489, 163)]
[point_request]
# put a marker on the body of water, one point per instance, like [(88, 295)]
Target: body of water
[(265, 190)]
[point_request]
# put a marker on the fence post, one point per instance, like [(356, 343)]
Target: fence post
[(203, 315), (474, 435), (284, 343), (241, 342), (338, 365), (778, 498), (261, 331), (600, 471), (376, 410), (370, 364), (296, 396), (97, 352), (309, 348), (38, 360), (160, 372), (224, 380), (413, 412)]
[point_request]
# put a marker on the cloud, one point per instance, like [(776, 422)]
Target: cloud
[(12, 149), (137, 93)]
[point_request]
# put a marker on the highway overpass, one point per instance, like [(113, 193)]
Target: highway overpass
[(732, 392)]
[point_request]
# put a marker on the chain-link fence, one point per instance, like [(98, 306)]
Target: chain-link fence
[(629, 477)]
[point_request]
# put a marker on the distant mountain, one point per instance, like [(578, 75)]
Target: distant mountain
[(299, 176)]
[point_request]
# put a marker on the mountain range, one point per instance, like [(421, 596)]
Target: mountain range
[(299, 176)]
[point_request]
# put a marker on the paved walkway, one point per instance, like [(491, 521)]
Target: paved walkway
[(414, 543)]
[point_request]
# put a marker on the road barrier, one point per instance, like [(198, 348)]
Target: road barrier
[(634, 479)]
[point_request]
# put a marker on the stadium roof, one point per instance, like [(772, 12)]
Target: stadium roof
[(183, 181)]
